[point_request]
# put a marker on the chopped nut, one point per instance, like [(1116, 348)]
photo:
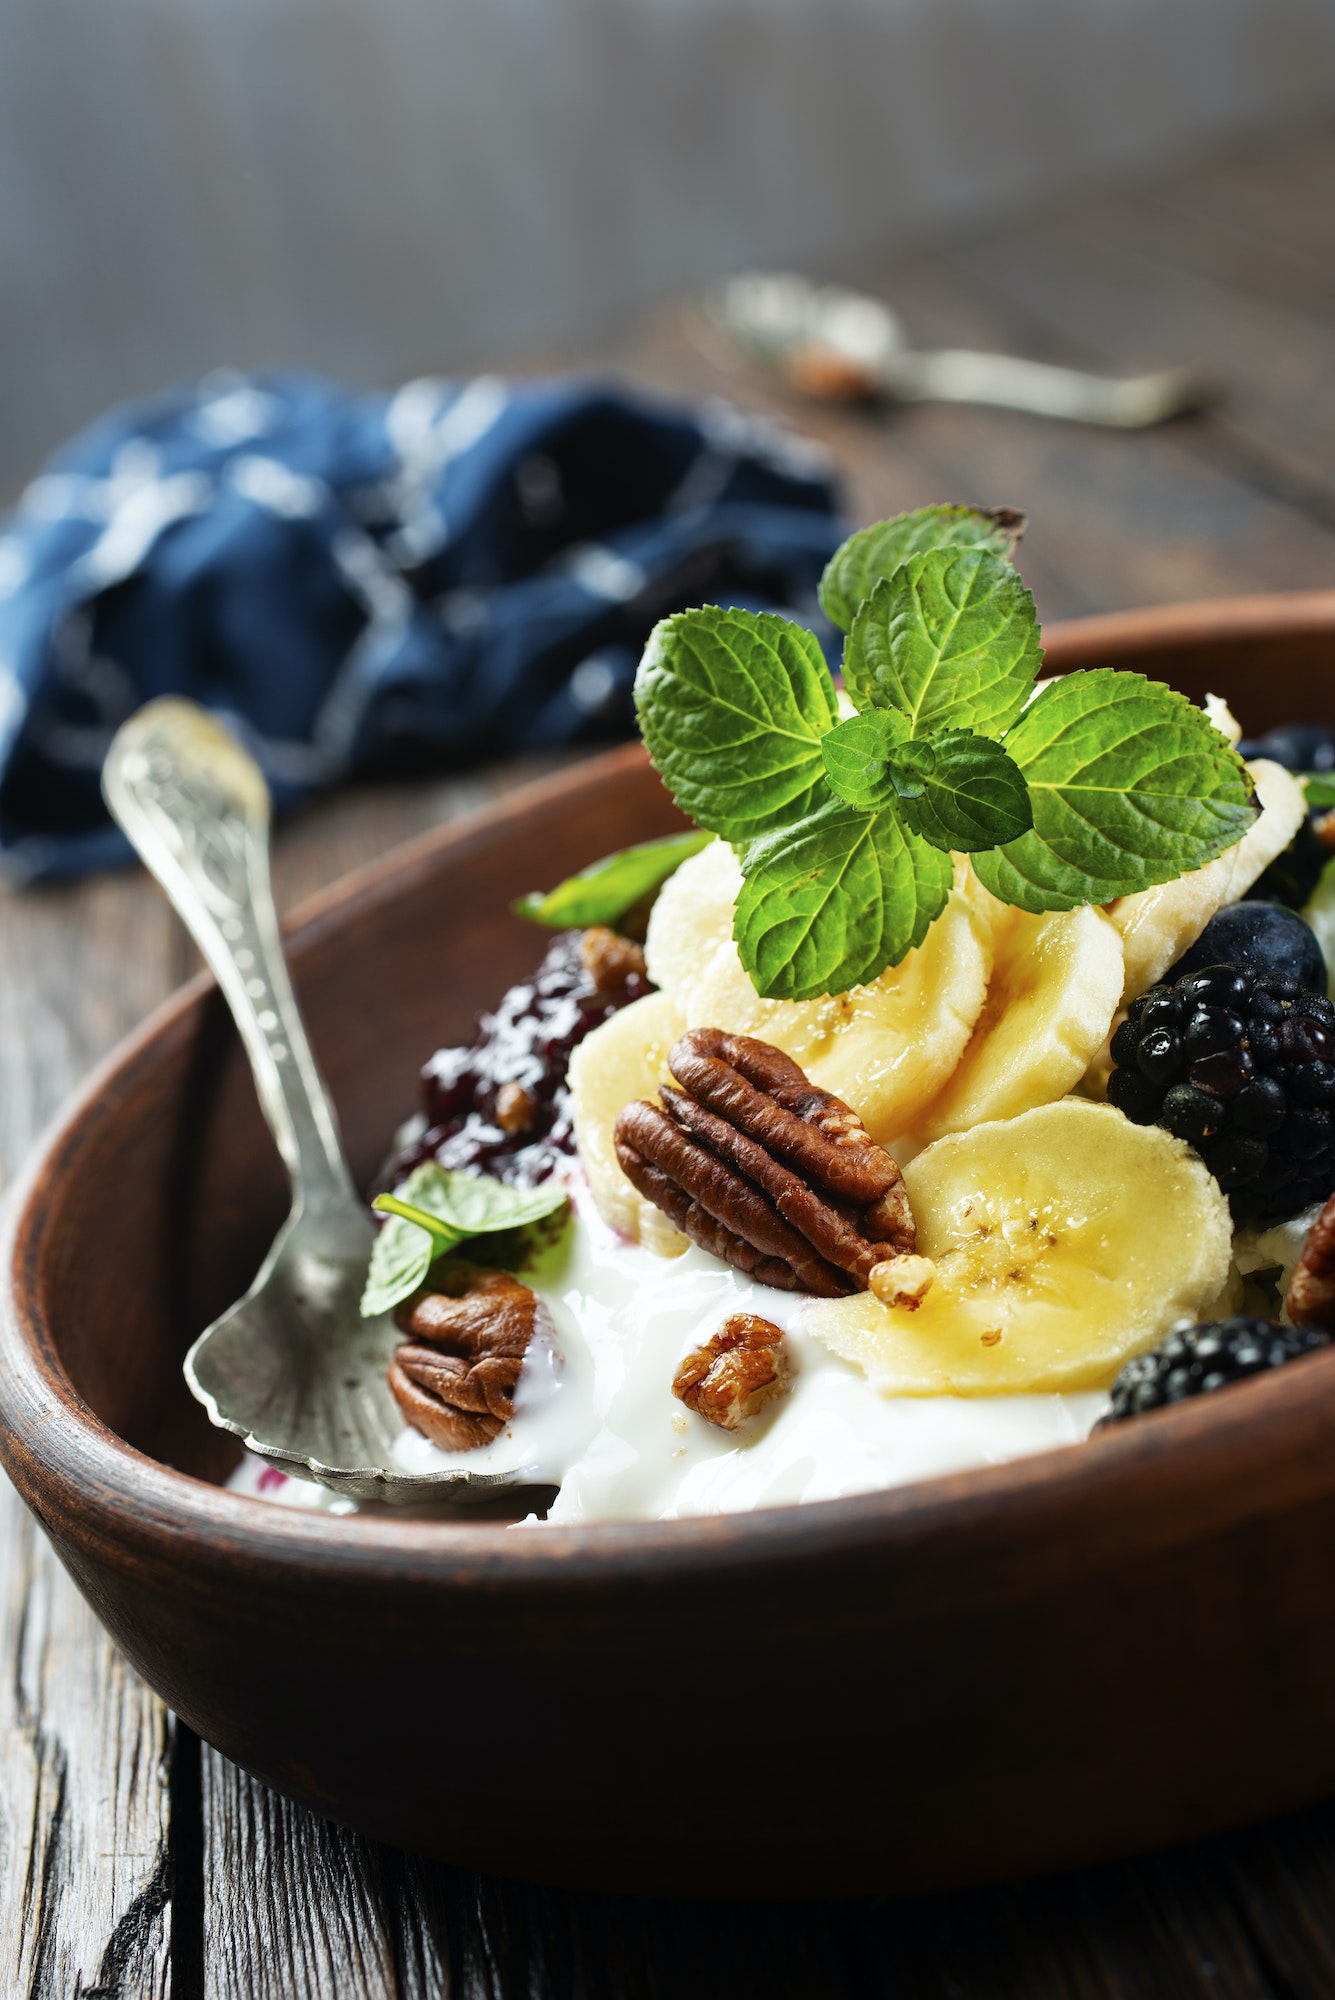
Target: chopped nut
[(454, 1377), (1311, 1299), (1324, 828), (903, 1281), (608, 959), (754, 1163), (736, 1373), (516, 1107)]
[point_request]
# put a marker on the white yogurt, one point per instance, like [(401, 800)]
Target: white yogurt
[(603, 1425)]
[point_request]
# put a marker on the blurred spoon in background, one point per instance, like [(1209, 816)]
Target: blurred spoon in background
[(843, 346)]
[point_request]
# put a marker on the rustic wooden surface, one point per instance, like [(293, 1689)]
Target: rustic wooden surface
[(133, 1861)]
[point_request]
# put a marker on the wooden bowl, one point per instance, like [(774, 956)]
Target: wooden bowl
[(1031, 1666)]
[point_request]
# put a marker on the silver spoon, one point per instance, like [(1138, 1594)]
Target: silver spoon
[(845, 345), (293, 1368)]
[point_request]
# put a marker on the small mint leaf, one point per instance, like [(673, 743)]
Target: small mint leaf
[(433, 1213), (856, 754), (606, 889), (1130, 785), (733, 705), (1319, 789), (911, 767), (971, 796), (833, 901), (874, 553), (950, 640)]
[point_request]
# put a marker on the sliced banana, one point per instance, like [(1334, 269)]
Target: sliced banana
[(1064, 1241), (1055, 986), (626, 1058), (691, 921), (885, 1048), (1157, 925)]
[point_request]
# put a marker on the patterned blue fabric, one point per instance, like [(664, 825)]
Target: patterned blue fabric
[(372, 584)]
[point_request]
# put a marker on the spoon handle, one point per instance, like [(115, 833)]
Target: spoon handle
[(196, 808)]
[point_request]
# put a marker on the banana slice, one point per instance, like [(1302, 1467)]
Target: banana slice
[(626, 1058), (885, 1048), (1157, 925), (691, 921), (1065, 1241), (1055, 986)]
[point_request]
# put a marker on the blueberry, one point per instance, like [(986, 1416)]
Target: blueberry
[(1266, 937), (1298, 746)]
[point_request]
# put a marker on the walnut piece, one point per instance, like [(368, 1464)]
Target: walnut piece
[(1312, 1290), (736, 1373), (903, 1281), (454, 1377), (754, 1163), (608, 959)]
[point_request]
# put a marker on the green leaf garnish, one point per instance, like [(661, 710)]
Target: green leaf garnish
[(854, 570), (830, 902), (971, 796), (606, 889), (1130, 785), (437, 1210), (733, 705), (1319, 790), (857, 754), (950, 640), (1102, 784)]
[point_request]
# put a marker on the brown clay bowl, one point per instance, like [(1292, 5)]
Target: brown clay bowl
[(1032, 1666)]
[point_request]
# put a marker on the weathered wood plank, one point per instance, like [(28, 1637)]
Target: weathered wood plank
[(85, 1750)]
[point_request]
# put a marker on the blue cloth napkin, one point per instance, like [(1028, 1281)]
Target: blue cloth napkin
[(367, 584)]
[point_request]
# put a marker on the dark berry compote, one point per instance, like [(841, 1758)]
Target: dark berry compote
[(501, 1105)]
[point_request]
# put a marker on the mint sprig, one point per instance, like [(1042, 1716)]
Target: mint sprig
[(436, 1210), (606, 889), (1102, 784)]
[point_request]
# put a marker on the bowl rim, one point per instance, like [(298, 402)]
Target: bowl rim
[(1167, 1477)]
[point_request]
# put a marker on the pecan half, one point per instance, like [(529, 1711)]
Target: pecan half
[(756, 1164), (736, 1373), (1312, 1290), (454, 1377)]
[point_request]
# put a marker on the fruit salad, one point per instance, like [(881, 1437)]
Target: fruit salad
[(962, 1080)]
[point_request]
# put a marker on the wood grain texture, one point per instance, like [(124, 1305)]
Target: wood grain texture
[(85, 1749)]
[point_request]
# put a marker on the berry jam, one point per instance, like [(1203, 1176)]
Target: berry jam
[(501, 1105)]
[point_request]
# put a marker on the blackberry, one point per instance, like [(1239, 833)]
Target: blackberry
[(1240, 1064), (523, 1047), (1193, 1360)]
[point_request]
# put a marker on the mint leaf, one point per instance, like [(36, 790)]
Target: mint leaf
[(1319, 790), (854, 570), (435, 1211), (910, 766), (831, 902), (1130, 785), (970, 796), (856, 754), (950, 640), (606, 889), (732, 705)]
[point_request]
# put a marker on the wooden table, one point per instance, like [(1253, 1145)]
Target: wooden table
[(135, 1861)]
